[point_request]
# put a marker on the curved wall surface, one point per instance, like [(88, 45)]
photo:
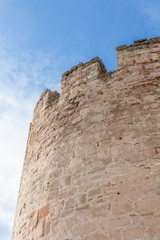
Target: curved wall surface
[(92, 163)]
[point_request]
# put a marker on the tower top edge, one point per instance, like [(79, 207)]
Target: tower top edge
[(139, 44)]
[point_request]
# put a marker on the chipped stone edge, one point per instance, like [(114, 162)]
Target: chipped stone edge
[(84, 65), (138, 44), (52, 96)]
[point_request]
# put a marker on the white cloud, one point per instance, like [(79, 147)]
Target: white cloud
[(23, 77)]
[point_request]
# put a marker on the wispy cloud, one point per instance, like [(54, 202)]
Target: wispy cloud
[(23, 77)]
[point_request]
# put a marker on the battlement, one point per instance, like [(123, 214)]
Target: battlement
[(139, 57)]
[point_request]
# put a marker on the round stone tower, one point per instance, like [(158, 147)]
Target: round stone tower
[(92, 168)]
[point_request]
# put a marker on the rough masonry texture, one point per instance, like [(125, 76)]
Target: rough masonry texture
[(92, 163)]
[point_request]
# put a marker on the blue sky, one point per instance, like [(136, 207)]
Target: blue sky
[(39, 40)]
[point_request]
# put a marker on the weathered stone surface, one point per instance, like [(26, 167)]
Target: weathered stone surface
[(92, 168)]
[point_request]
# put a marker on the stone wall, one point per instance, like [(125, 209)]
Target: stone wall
[(92, 163)]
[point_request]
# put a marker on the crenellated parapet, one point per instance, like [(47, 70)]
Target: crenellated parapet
[(141, 56)]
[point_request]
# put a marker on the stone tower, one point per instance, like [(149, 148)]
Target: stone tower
[(92, 163)]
